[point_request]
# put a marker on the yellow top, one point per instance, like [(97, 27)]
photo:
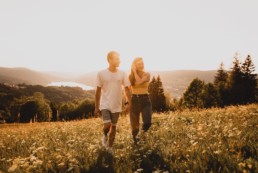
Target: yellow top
[(140, 89)]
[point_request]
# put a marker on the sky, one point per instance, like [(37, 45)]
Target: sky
[(75, 36)]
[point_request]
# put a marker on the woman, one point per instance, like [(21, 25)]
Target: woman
[(140, 102)]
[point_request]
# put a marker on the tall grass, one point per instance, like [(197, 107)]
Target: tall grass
[(214, 140)]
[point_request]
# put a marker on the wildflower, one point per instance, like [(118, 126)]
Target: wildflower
[(13, 168), (241, 164), (217, 152), (33, 158), (38, 163), (61, 165), (249, 166), (195, 143), (23, 142), (139, 170)]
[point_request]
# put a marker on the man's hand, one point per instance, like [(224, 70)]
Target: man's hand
[(97, 113), (128, 95), (127, 108)]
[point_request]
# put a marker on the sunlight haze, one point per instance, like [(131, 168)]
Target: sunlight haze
[(75, 36)]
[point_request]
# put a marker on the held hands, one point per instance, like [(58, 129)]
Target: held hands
[(127, 108)]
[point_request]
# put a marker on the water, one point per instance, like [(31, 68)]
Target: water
[(71, 84)]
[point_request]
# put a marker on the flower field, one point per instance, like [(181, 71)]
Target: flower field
[(213, 140)]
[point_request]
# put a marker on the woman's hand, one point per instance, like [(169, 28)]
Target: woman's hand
[(134, 68), (145, 78)]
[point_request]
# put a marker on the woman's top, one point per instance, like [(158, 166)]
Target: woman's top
[(140, 89)]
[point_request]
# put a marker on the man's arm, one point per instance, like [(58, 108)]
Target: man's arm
[(97, 101), (128, 98)]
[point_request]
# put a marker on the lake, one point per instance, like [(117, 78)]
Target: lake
[(71, 84)]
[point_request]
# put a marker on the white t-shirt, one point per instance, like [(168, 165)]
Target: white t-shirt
[(112, 89)]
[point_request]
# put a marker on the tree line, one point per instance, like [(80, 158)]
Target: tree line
[(34, 103), (233, 87)]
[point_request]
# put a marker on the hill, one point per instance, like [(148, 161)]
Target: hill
[(214, 140), (24, 75), (54, 94)]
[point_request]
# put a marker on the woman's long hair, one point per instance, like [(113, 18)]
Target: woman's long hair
[(131, 76)]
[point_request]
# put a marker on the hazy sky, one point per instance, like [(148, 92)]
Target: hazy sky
[(75, 36)]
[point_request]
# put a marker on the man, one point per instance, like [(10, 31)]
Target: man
[(108, 98)]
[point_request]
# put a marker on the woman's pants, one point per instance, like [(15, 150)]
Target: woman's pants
[(140, 104)]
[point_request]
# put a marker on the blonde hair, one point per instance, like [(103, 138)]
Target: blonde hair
[(131, 76), (137, 59)]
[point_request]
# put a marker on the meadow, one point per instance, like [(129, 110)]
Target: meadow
[(212, 140)]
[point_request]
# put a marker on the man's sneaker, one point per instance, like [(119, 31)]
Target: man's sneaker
[(104, 141)]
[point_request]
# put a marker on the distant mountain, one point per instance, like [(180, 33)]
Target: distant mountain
[(87, 79), (175, 82), (24, 75)]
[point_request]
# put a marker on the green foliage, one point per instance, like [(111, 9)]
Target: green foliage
[(238, 86), (242, 82), (192, 97), (85, 109), (210, 96), (235, 86), (79, 110), (157, 96), (47, 99), (249, 81), (36, 108), (28, 111), (66, 111), (54, 110), (220, 82)]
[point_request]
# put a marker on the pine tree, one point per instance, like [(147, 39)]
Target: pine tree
[(192, 97), (220, 82), (248, 80), (235, 85), (153, 92), (210, 96), (162, 106), (157, 95)]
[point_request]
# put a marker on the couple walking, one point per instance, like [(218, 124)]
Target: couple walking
[(108, 98)]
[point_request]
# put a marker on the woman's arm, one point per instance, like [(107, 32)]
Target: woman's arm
[(139, 80)]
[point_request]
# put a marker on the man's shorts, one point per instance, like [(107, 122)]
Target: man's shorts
[(109, 116)]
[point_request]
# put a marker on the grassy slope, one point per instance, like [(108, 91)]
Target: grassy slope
[(218, 140)]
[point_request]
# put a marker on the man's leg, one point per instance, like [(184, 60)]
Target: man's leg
[(106, 115), (112, 134), (106, 128)]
